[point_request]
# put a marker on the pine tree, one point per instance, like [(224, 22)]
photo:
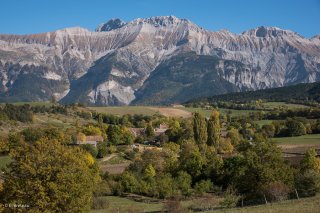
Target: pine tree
[(214, 129), (199, 128)]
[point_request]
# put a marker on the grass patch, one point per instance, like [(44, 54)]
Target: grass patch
[(118, 159), (272, 105), (121, 204), (311, 204), (123, 110), (304, 205), (207, 112), (47, 104), (313, 139), (144, 110), (4, 161)]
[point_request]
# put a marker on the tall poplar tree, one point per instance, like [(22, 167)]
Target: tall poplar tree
[(199, 128), (213, 129)]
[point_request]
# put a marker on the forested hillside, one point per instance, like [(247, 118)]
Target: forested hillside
[(296, 93)]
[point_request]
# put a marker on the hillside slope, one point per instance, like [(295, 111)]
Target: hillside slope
[(300, 92)]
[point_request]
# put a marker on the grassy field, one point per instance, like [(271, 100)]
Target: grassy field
[(207, 113), (305, 205), (119, 204), (123, 110), (313, 139), (167, 111), (44, 120), (114, 160), (272, 105), (4, 160), (114, 163), (32, 103), (144, 110)]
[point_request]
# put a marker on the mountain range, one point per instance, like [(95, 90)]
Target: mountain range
[(151, 61)]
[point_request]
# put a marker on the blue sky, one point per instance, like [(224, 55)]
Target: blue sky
[(34, 16)]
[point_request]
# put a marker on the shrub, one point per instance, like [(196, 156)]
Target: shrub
[(102, 189), (203, 186), (91, 149), (183, 183), (230, 199), (174, 206), (99, 203), (225, 146), (308, 183), (206, 203), (111, 149), (102, 149), (277, 191)]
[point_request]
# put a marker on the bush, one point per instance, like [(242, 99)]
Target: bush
[(203, 186), (225, 146), (164, 186), (206, 203), (295, 128), (111, 149), (230, 199), (129, 182), (174, 206), (130, 155), (99, 203), (308, 183), (92, 130), (91, 149), (183, 183), (102, 149), (277, 191), (102, 189)]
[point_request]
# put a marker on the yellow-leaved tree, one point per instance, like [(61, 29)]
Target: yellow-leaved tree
[(47, 176)]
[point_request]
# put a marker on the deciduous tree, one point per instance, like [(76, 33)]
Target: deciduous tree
[(50, 177)]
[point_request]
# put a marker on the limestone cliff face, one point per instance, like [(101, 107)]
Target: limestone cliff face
[(114, 64)]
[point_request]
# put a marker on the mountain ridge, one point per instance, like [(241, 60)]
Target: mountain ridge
[(128, 53)]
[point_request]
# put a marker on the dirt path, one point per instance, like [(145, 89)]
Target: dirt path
[(108, 157), (172, 112)]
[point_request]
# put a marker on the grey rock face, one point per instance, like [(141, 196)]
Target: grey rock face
[(112, 65), (110, 25)]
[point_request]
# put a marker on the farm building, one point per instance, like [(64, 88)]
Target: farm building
[(136, 131), (93, 140), (161, 129)]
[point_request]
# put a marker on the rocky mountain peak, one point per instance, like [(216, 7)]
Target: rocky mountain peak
[(162, 55), (315, 38), (161, 21), (112, 24), (263, 32), (72, 31)]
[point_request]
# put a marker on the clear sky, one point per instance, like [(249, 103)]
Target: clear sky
[(34, 16)]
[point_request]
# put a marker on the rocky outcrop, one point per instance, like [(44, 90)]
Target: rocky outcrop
[(110, 25)]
